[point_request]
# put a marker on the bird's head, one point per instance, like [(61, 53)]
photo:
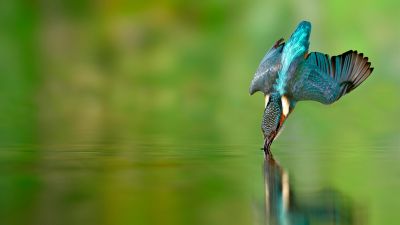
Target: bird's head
[(276, 111)]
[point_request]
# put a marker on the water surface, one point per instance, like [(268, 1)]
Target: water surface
[(139, 182)]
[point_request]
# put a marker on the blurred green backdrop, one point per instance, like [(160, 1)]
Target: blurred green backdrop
[(118, 112)]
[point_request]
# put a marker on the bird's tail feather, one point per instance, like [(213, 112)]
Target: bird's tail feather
[(297, 44), (294, 49)]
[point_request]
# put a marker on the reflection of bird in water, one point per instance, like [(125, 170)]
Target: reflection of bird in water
[(277, 192), (282, 208), (288, 73)]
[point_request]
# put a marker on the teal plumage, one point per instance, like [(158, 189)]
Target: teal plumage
[(288, 74), (293, 52)]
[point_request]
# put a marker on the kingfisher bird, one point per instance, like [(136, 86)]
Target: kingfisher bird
[(288, 73)]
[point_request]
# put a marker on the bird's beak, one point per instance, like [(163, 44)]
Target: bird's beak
[(267, 146)]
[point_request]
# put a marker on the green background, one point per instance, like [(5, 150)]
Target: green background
[(117, 112)]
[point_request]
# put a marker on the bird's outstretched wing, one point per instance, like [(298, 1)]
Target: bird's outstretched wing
[(267, 71), (325, 79)]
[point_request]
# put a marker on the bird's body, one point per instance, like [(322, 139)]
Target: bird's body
[(288, 74)]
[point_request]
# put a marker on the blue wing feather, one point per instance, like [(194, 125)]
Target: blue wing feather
[(267, 71), (326, 79)]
